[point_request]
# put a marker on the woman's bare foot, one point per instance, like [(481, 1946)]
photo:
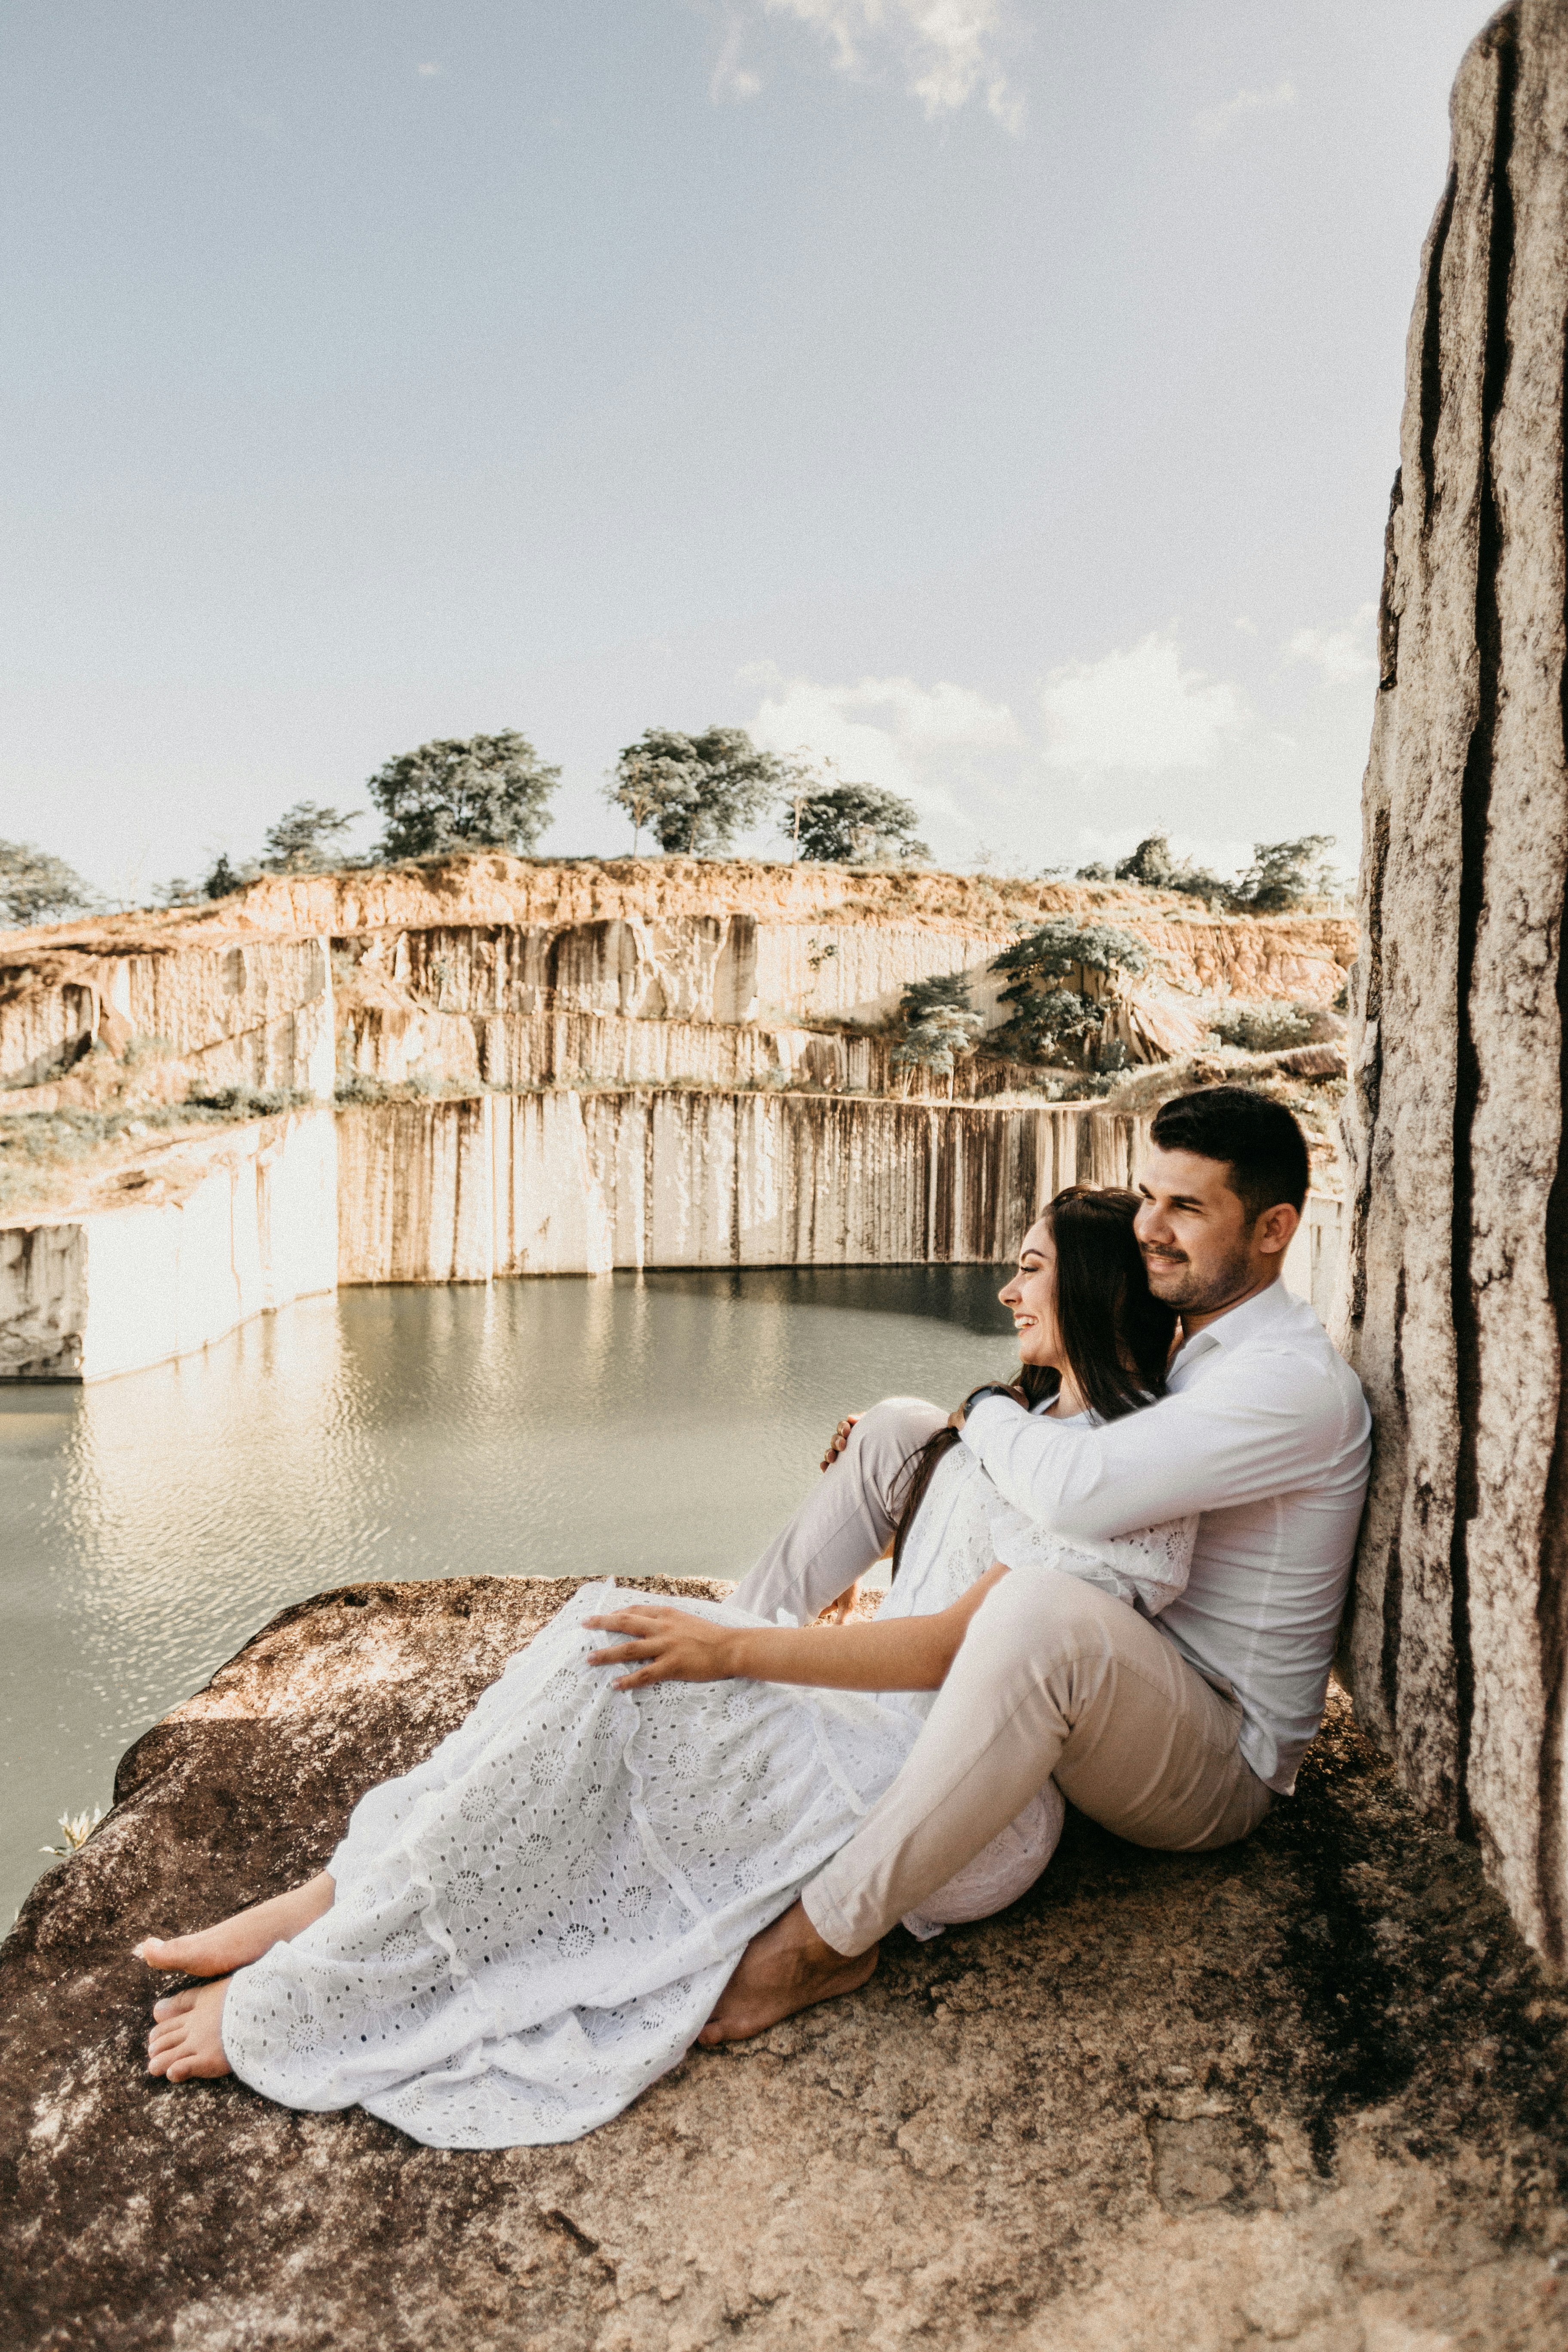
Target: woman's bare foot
[(234, 1942), (187, 2039), (787, 1966)]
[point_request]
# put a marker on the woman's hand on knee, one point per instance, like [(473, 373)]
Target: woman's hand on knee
[(666, 1645)]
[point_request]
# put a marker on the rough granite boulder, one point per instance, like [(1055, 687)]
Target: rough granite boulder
[(1306, 2092), (1457, 1301)]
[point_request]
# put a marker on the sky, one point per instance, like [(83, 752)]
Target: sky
[(998, 398)]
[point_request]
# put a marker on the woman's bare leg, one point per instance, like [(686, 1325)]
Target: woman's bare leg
[(237, 1940)]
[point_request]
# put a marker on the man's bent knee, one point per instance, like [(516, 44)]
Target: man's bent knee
[(1038, 1619)]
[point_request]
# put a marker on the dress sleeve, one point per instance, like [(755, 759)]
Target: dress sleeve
[(1147, 1568)]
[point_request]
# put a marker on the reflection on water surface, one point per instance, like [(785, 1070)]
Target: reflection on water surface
[(637, 1426)]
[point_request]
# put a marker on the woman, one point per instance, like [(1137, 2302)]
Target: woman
[(514, 1939)]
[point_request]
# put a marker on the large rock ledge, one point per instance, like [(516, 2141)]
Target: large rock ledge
[(1306, 2092)]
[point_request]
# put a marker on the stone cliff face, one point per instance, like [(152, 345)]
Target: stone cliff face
[(176, 1252), (1304, 2093), (546, 1069), (565, 1183), (254, 1013), (488, 888), (1457, 1294)]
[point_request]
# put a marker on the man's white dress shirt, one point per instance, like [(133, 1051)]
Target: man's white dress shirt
[(1267, 1434)]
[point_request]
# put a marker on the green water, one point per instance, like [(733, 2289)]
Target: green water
[(655, 1425)]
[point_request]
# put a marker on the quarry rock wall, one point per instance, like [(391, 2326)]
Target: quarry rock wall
[(657, 1062), (256, 1012), (115, 1289), (403, 1044), (722, 968), (1457, 1291), (489, 887), (568, 1182)]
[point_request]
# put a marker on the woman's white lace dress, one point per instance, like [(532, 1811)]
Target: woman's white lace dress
[(534, 1924)]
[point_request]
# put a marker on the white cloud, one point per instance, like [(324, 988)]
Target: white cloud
[(1215, 121), (910, 739), (429, 70), (1345, 655), (1138, 711), (946, 52), (730, 79)]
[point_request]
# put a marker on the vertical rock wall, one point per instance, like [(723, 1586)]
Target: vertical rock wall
[(1458, 1250), (565, 1183), (256, 1015), (111, 1291)]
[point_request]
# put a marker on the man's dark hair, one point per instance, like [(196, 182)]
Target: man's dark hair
[(1258, 1141)]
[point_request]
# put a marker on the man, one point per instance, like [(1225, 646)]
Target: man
[(1177, 1732)]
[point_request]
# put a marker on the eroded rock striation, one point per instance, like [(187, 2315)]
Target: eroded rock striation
[(1307, 2092), (1458, 1260)]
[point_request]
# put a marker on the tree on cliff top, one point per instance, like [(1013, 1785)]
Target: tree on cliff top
[(693, 792), (36, 886), (1152, 865), (1283, 873), (491, 791), (855, 825), (303, 839)]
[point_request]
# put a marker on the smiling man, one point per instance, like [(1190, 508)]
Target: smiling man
[(1176, 1731)]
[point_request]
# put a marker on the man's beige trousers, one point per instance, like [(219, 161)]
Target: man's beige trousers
[(1055, 1680)]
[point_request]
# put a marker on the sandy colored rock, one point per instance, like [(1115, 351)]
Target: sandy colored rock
[(1458, 1257), (580, 1183), (489, 887), (1306, 2092)]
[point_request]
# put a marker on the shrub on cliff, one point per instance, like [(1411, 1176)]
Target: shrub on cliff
[(944, 991), (1282, 875), (854, 825), (935, 1042), (492, 791), (1046, 971), (36, 886), (1263, 1027), (693, 792)]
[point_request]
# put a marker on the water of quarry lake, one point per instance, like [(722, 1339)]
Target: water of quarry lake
[(654, 1424)]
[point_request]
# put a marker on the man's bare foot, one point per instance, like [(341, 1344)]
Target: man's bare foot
[(787, 1966), (187, 2039), (234, 1942)]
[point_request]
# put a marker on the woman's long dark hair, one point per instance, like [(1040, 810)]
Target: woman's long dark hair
[(1115, 1334)]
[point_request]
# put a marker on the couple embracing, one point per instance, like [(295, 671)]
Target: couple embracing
[(1116, 1579)]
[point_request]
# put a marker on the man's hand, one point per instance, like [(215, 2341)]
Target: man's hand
[(1009, 1388), (667, 1646), (839, 1440)]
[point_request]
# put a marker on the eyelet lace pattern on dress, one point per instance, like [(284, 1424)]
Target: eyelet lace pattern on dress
[(533, 1926)]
